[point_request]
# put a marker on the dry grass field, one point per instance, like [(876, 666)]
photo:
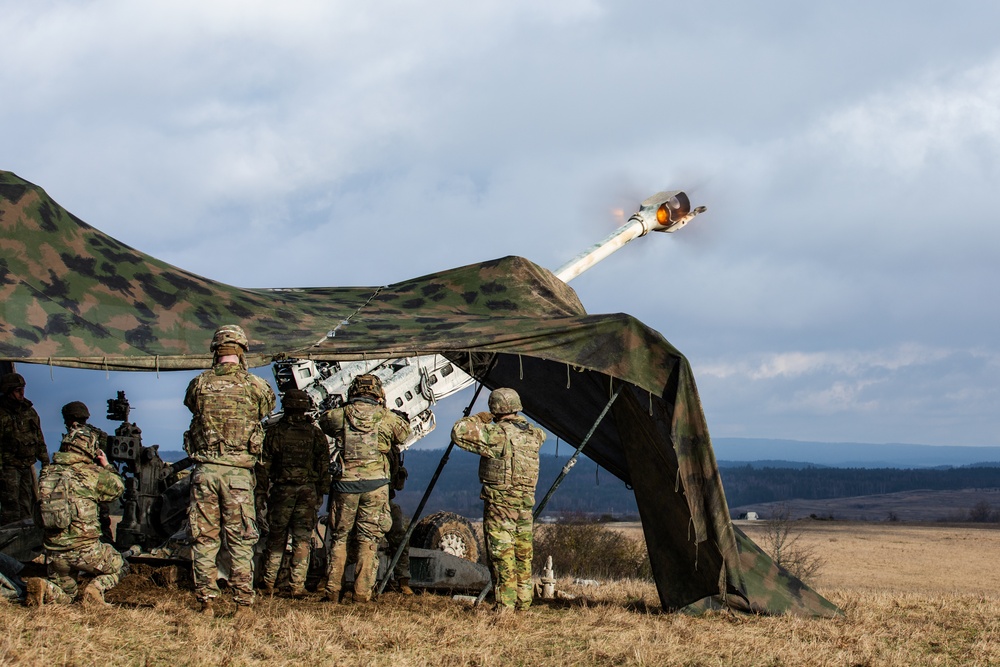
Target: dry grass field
[(912, 595)]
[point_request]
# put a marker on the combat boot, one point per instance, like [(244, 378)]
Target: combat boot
[(404, 586), (36, 592), (267, 588), (361, 597), (206, 608), (93, 597), (298, 592), (244, 612)]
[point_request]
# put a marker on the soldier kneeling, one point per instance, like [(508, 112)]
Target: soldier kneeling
[(69, 491)]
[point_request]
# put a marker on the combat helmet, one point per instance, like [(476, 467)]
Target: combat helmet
[(229, 334), (504, 401), (296, 400), (11, 381), (366, 385), (75, 412)]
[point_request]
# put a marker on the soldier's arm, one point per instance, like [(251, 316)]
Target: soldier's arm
[(321, 455), (189, 400), (41, 451), (265, 397), (109, 484), (332, 422), (472, 435)]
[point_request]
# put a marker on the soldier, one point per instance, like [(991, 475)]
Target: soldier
[(508, 470), (365, 432), (21, 444), (296, 461), (77, 413), (225, 441), (69, 491)]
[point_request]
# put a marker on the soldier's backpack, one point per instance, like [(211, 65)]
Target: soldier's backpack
[(54, 508)]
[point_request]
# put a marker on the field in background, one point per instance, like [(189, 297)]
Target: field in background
[(912, 595)]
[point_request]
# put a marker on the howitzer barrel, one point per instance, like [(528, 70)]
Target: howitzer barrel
[(663, 212)]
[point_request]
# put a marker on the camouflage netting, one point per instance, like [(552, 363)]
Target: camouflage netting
[(72, 296)]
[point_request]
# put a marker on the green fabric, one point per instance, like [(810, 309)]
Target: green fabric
[(73, 296)]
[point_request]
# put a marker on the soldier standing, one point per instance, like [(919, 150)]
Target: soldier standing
[(296, 462), (508, 470), (225, 441), (69, 491), (21, 444), (365, 432)]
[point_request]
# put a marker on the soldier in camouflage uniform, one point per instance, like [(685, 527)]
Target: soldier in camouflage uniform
[(21, 444), (77, 413), (225, 441), (365, 432), (508, 470), (78, 479), (296, 462)]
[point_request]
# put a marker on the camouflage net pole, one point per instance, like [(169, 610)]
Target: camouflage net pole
[(562, 475), (404, 543)]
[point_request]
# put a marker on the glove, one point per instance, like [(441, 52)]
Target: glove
[(485, 417)]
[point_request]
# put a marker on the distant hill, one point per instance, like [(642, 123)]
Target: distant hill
[(780, 470), (853, 454)]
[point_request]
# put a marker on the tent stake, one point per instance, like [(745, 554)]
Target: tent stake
[(562, 474), (430, 487)]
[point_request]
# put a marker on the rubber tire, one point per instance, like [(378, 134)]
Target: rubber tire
[(448, 532)]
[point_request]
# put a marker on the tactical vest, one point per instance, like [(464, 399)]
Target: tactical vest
[(517, 466), (361, 440), (55, 509), (296, 454), (223, 424)]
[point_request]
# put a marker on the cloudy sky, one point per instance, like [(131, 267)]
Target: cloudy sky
[(843, 285)]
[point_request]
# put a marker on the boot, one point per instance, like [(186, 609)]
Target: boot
[(243, 612), (365, 570), (93, 597), (298, 592), (404, 586), (267, 588), (36, 592), (206, 608)]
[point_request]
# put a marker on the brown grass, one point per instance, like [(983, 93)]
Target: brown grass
[(913, 595)]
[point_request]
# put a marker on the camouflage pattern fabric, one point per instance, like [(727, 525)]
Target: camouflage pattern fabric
[(296, 461), (89, 484), (508, 533), (222, 499), (227, 404), (96, 558), (74, 296), (368, 515), (358, 422), (21, 443), (507, 521), (78, 546)]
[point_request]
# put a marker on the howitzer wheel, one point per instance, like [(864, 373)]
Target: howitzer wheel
[(447, 532)]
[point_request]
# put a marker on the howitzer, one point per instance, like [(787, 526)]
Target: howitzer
[(149, 514), (413, 385)]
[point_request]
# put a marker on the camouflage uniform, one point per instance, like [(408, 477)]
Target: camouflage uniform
[(21, 444), (78, 547), (225, 441), (296, 462), (509, 473), (365, 433)]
